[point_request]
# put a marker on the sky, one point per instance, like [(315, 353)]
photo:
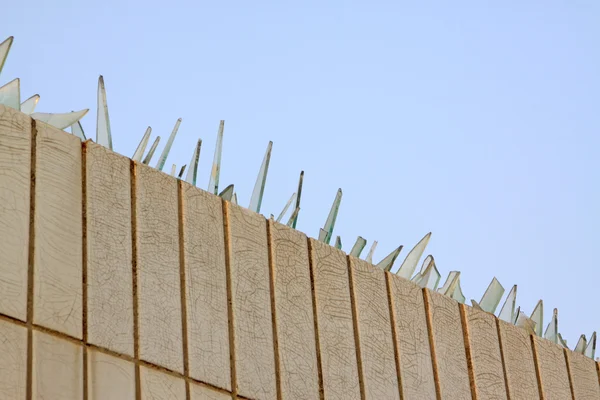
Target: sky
[(475, 121)]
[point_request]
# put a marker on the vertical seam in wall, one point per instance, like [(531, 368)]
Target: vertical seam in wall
[(429, 320), (271, 257), (361, 379), (566, 354), (31, 261), (134, 277), (315, 318), (502, 358), (538, 372), (468, 350), (598, 371), (392, 308), (84, 262), (183, 288), (230, 316)]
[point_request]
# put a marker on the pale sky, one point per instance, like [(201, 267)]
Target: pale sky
[(478, 123)]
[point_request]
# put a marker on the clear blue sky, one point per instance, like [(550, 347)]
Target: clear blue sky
[(476, 122)]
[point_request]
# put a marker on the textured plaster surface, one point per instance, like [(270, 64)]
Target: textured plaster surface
[(203, 393), (553, 370), (157, 385), (57, 368), (412, 338), (375, 331), (449, 346), (159, 295), (15, 161), (58, 232), (518, 361), (488, 371), (110, 378), (251, 298), (13, 358), (109, 266), (585, 377), (206, 287), (294, 311), (334, 318)]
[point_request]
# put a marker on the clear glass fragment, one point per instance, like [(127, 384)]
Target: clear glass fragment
[(299, 191), (4, 49), (287, 205), (388, 262), (234, 199), (430, 278), (524, 322), (103, 134), (451, 283), (338, 242), (227, 193), (215, 172), (552, 330), (150, 154), (28, 106), (369, 257), (293, 217), (358, 247), (537, 316), (407, 269), (492, 296), (327, 230), (173, 170), (458, 294), (10, 94), (192, 173), (581, 344), (261, 181), (590, 350), (77, 130), (60, 121), (507, 312), (139, 151), (516, 316), (562, 341), (165, 153)]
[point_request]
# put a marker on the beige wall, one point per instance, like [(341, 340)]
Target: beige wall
[(120, 282)]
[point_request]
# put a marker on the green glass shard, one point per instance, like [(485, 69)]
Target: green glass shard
[(552, 330), (409, 265), (581, 344), (60, 121), (261, 181), (371, 252), (507, 312), (388, 262), (590, 349), (476, 305), (192, 174), (139, 151), (150, 154), (77, 130), (492, 296), (287, 205), (430, 278), (458, 294), (173, 170), (516, 316), (234, 199), (103, 134), (419, 275), (524, 322), (215, 172), (299, 191), (28, 106), (181, 171), (537, 316), (227, 193), (358, 247), (562, 341), (338, 242), (450, 285), (165, 153), (293, 217), (4, 49), (327, 230), (10, 94)]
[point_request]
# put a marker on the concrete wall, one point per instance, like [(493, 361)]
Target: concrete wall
[(120, 282)]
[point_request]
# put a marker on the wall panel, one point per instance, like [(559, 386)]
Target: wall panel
[(552, 369), (584, 375)]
